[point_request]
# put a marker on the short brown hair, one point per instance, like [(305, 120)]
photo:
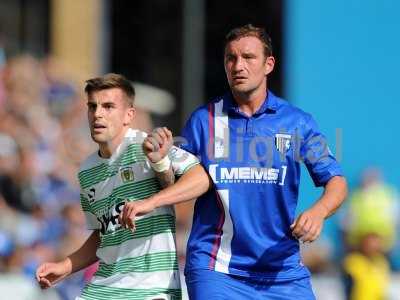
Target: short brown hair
[(109, 81), (250, 30)]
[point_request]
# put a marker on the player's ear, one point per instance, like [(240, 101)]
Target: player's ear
[(269, 64), (130, 115)]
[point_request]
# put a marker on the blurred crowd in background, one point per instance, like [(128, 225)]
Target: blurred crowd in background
[(43, 137)]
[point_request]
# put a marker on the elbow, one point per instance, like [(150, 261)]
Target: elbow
[(337, 185), (341, 187), (344, 187)]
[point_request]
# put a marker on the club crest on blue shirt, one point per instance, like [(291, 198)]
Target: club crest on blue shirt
[(127, 174), (282, 142)]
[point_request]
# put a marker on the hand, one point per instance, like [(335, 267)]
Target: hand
[(132, 209), (157, 144), (308, 225), (48, 274)]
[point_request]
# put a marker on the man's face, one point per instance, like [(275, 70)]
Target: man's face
[(246, 66), (108, 114)]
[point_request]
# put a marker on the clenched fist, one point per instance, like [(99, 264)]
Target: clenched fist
[(157, 144)]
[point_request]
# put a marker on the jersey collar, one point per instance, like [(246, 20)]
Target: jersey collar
[(270, 104)]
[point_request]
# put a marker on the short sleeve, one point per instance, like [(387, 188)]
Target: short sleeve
[(91, 221), (181, 160), (315, 152)]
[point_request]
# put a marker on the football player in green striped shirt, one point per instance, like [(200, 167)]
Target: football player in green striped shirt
[(140, 264)]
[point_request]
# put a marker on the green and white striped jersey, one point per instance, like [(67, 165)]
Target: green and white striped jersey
[(139, 265)]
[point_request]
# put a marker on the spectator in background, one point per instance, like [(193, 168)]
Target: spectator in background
[(34, 180), (370, 233), (74, 236), (372, 208), (61, 91), (366, 270), (13, 283)]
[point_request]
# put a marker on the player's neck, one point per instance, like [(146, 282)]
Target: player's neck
[(107, 149), (250, 103)]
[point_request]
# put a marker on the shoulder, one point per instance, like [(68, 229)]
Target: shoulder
[(201, 115), (354, 261), (284, 107), (134, 136), (203, 112), (91, 161), (206, 109), (89, 167)]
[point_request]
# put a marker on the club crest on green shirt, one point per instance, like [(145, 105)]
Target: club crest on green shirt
[(127, 174)]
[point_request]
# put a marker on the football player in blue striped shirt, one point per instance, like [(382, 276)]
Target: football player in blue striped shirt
[(244, 242)]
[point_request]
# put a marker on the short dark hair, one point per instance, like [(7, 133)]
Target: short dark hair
[(109, 81), (250, 30)]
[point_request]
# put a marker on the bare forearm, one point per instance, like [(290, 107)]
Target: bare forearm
[(85, 255), (191, 185), (166, 178), (334, 194)]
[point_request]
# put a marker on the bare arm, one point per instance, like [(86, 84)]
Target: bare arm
[(334, 194), (50, 273), (308, 225), (191, 185), (166, 178), (86, 254)]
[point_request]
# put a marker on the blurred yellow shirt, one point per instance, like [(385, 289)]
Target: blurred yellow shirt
[(373, 210), (370, 276)]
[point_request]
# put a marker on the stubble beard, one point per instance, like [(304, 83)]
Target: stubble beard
[(242, 92)]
